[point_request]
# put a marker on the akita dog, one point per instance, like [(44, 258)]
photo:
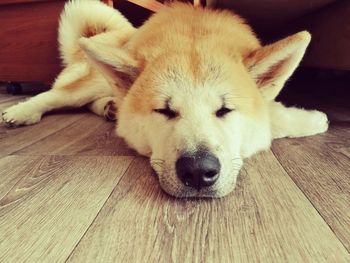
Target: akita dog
[(193, 89)]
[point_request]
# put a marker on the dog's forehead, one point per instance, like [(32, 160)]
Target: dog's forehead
[(198, 79), (213, 78), (184, 77)]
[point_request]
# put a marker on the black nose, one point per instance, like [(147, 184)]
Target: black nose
[(198, 170)]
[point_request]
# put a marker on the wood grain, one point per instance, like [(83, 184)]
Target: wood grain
[(12, 176), (12, 140), (7, 101), (91, 135), (320, 166), (62, 198), (79, 133), (49, 209), (9, 98), (267, 219)]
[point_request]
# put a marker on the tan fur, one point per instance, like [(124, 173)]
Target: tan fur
[(200, 40)]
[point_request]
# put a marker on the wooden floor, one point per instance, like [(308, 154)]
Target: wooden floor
[(72, 191)]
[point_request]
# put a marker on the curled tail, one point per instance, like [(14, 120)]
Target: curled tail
[(86, 18)]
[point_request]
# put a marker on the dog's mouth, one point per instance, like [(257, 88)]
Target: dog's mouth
[(171, 183), (182, 191)]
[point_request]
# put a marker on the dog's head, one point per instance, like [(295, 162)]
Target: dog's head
[(194, 88)]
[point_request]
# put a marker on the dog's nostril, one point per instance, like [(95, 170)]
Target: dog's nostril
[(198, 170), (211, 174)]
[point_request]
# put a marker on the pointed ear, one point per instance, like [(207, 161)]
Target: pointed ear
[(272, 65), (114, 63)]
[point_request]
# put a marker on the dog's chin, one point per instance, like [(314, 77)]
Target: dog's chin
[(177, 189)]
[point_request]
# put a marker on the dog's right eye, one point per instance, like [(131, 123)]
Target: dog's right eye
[(170, 114), (222, 112)]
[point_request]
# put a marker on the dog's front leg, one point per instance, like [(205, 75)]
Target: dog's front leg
[(30, 111), (296, 122), (75, 86)]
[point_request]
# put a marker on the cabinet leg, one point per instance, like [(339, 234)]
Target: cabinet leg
[(14, 88)]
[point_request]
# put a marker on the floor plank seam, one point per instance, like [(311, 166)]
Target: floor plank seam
[(33, 142), (104, 203), (3, 156), (310, 201)]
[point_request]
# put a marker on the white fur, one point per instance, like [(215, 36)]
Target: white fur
[(294, 122)]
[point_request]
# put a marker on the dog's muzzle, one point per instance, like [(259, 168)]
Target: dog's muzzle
[(198, 170)]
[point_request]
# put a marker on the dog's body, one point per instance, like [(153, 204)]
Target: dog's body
[(194, 89)]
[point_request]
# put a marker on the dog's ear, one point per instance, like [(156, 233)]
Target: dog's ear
[(115, 64), (272, 65)]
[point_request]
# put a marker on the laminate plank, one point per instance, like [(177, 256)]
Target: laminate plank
[(266, 219), (7, 101), (91, 135), (320, 166), (9, 97), (12, 140), (47, 211), (337, 139), (12, 176)]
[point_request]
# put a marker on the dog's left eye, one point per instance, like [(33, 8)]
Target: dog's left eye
[(222, 112), (167, 112)]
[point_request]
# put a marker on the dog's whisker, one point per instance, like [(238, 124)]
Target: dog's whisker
[(158, 164), (154, 161), (158, 160)]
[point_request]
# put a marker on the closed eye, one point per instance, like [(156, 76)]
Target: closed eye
[(169, 113), (222, 112)]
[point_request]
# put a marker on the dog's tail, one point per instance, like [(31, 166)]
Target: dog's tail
[(86, 18)]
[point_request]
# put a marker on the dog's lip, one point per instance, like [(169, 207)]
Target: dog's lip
[(192, 194), (199, 194), (189, 192)]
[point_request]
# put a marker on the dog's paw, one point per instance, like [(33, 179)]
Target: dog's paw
[(20, 114), (318, 122), (310, 123), (110, 111)]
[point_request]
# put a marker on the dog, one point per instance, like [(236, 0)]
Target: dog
[(192, 88)]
